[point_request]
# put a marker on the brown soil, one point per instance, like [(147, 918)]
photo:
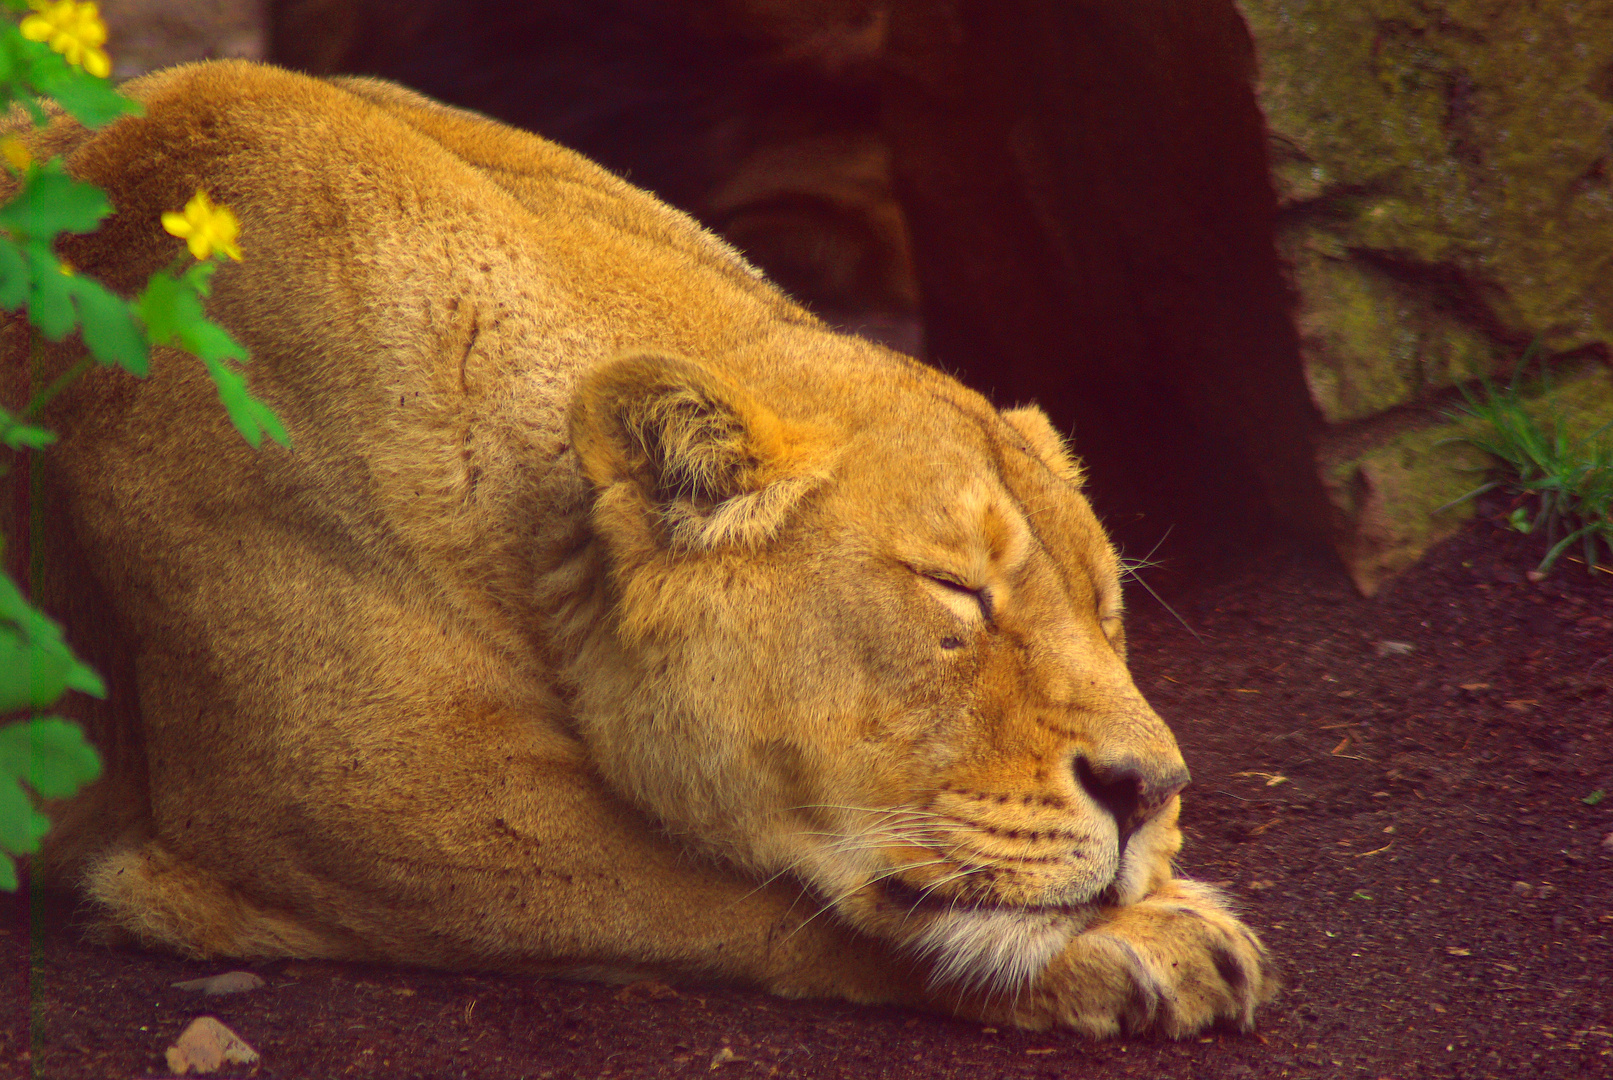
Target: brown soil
[(1409, 830)]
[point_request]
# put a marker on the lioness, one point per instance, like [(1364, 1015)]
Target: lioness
[(609, 615)]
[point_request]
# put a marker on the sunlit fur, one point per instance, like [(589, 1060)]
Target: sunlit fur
[(610, 614)]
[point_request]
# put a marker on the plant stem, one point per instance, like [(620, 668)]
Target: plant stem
[(44, 397)]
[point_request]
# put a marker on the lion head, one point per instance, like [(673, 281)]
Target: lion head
[(868, 631)]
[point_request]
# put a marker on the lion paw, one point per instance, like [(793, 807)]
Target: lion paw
[(1176, 962)]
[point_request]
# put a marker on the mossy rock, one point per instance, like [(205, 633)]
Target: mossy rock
[(1445, 174), (1373, 342)]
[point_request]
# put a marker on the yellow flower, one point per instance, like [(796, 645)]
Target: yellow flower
[(204, 227), (73, 29), (15, 153)]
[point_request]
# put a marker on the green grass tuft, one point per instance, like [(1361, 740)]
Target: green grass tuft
[(1568, 480)]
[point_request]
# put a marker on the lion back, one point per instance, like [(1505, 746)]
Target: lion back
[(420, 290)]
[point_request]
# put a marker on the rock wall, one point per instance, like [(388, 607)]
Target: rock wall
[(1444, 175)]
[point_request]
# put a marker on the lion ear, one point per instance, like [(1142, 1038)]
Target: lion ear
[(1032, 423), (667, 440)]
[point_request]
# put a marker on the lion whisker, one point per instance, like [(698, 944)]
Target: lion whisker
[(871, 880)]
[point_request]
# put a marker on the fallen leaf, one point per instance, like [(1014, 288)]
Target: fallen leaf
[(1454, 951), (1475, 686), (723, 1057), (205, 1046), (231, 982)]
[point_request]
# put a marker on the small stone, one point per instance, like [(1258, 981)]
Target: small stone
[(723, 1057), (1607, 842), (231, 982), (205, 1046), (1523, 888), (1395, 648)]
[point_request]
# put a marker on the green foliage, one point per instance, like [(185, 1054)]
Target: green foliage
[(46, 754), (1569, 480), (20, 436), (49, 755), (36, 666), (171, 308)]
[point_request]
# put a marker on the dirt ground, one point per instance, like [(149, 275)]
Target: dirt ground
[(1399, 789)]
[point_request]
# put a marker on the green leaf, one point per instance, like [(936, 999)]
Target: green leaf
[(30, 676), (50, 293), (210, 341), (90, 100), (26, 636), (200, 277), (8, 874), (52, 202), (50, 754), (19, 436), (21, 825), (25, 94), (13, 608), (82, 677), (270, 422), (110, 329), (1594, 797), (172, 312), (167, 307), (13, 275), (250, 416)]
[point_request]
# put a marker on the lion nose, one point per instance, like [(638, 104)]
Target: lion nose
[(1131, 789)]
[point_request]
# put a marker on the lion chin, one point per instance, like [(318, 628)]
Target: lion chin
[(609, 613)]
